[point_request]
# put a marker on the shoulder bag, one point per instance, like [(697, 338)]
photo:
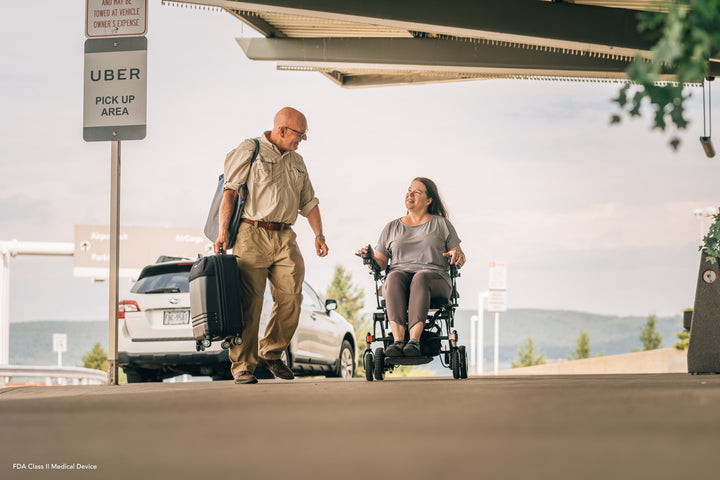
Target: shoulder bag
[(212, 224)]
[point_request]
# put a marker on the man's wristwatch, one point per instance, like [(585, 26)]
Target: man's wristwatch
[(320, 237)]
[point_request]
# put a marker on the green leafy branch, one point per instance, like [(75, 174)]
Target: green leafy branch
[(688, 36), (711, 241)]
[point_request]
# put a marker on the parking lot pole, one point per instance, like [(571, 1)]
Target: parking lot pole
[(114, 263), (480, 352), (4, 308), (497, 343)]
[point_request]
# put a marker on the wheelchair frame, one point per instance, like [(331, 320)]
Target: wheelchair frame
[(441, 313)]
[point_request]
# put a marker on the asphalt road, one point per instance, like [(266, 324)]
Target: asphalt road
[(546, 427)]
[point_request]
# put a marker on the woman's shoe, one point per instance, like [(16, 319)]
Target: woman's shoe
[(412, 349), (395, 350)]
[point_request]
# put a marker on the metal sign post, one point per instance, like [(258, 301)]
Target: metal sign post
[(59, 345), (114, 263), (479, 334), (497, 302)]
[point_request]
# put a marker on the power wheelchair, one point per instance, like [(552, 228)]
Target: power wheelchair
[(439, 338)]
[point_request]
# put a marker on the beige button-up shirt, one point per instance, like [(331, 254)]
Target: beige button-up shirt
[(278, 185)]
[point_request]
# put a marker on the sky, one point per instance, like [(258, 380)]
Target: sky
[(585, 216)]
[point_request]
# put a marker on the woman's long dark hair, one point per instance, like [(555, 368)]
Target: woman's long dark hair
[(436, 207)]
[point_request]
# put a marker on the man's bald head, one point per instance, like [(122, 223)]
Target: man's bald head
[(289, 129), (287, 117)]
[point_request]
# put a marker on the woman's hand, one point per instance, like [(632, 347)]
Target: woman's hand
[(457, 256), (381, 259)]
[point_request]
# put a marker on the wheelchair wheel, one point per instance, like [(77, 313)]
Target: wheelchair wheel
[(368, 364), (379, 364), (455, 363), (462, 354)]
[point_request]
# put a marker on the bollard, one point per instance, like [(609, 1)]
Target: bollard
[(704, 348)]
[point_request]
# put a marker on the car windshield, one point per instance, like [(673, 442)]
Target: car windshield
[(163, 282)]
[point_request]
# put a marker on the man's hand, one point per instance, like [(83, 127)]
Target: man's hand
[(227, 205), (321, 247), (221, 244)]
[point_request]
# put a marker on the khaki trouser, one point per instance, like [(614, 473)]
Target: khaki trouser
[(274, 255)]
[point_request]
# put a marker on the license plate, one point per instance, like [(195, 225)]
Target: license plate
[(176, 318)]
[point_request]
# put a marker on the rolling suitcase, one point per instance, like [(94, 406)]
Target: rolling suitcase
[(215, 305)]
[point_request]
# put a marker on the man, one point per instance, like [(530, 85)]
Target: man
[(279, 188)]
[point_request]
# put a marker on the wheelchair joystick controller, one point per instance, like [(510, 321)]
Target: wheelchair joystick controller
[(368, 259)]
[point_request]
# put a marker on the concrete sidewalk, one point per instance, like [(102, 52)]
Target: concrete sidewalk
[(540, 427)]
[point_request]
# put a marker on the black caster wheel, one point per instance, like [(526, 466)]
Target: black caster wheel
[(368, 364), (379, 364), (237, 341), (455, 363), (462, 354), (225, 344)]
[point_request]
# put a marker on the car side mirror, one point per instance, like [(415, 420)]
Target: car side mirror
[(330, 305)]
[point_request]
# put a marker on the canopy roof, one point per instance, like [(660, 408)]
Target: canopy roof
[(360, 43)]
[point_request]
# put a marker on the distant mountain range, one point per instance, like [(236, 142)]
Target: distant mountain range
[(554, 333), (31, 343)]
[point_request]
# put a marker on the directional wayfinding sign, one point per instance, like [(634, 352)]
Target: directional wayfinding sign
[(115, 98), (139, 246), (497, 301), (497, 295)]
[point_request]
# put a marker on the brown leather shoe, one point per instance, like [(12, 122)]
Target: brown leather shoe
[(278, 368), (244, 377)]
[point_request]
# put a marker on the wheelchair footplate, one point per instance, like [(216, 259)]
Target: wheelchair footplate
[(421, 360)]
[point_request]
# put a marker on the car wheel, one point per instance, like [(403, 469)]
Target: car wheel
[(345, 363)]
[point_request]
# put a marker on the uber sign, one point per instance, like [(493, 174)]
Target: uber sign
[(115, 99)]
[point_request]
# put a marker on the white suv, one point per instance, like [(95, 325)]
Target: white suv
[(155, 338)]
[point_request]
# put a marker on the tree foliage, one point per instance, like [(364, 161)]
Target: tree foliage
[(711, 241), (96, 358), (684, 336), (688, 36), (528, 355), (582, 347), (684, 340), (649, 336), (351, 300)]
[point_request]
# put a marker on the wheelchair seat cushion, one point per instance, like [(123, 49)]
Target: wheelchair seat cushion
[(437, 302)]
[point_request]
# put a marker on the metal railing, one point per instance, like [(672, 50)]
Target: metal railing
[(62, 375)]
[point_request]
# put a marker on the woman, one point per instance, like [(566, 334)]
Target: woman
[(417, 247)]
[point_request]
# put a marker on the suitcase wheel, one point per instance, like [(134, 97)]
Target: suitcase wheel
[(237, 341), (206, 343), (225, 344)]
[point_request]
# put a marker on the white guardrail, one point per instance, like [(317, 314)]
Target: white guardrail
[(63, 375)]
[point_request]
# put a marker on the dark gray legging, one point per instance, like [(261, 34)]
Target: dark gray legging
[(407, 295)]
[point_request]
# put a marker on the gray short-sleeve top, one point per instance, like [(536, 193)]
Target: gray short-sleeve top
[(415, 248)]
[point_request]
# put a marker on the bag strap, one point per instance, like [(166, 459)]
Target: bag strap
[(252, 160), (255, 154)]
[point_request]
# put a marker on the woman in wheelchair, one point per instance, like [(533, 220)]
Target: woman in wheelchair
[(417, 250)]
